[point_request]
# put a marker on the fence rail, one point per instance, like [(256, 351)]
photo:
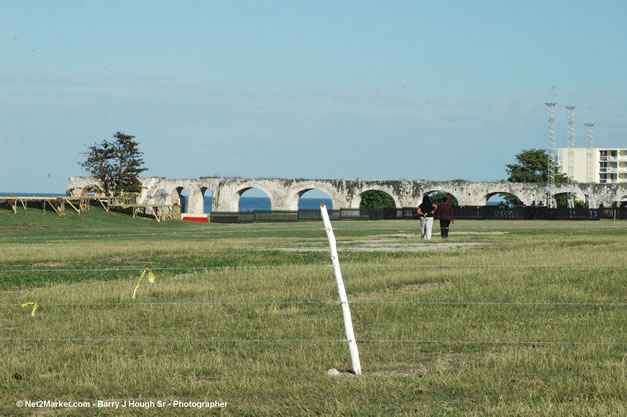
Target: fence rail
[(462, 213), (273, 216)]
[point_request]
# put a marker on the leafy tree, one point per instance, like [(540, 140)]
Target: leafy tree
[(116, 164), (510, 199), (99, 163), (532, 166), (128, 163), (561, 200), (377, 199), (438, 196)]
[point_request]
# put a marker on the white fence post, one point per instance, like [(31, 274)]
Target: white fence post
[(348, 323)]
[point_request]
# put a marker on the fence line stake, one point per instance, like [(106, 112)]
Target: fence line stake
[(348, 322)]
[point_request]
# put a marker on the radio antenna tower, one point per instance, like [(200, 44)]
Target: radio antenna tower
[(551, 151), (571, 142), (590, 153)]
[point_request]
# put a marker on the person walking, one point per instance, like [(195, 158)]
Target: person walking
[(426, 211), (445, 214)]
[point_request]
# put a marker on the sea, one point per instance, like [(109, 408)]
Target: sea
[(246, 204)]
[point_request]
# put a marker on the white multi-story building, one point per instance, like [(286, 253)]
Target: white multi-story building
[(608, 165)]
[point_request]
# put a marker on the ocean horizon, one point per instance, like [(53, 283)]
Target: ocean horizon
[(246, 204)]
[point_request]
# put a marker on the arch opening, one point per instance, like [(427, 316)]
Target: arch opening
[(376, 199), (92, 191), (179, 196), (438, 196), (253, 199), (207, 199), (569, 200), (503, 199), (311, 198)]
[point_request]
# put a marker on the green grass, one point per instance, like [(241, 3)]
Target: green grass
[(235, 317)]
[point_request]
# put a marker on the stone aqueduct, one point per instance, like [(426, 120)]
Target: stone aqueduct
[(285, 193)]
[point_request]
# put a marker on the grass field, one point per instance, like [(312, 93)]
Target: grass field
[(519, 319)]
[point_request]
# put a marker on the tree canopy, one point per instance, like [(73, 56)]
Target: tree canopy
[(438, 197), (377, 199), (116, 164), (510, 199), (532, 165)]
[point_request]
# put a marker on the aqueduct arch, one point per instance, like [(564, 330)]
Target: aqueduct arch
[(429, 192), (570, 197), (361, 197), (295, 193), (488, 196), (178, 198), (96, 189), (284, 193), (241, 191)]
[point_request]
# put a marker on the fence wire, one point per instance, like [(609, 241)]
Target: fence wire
[(237, 230), (390, 341), (304, 266), (315, 302)]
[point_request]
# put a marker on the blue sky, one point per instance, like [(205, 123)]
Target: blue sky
[(324, 89)]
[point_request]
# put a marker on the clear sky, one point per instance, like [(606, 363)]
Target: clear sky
[(304, 89)]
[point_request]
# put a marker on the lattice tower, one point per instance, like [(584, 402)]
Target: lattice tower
[(590, 153), (571, 142), (551, 144)]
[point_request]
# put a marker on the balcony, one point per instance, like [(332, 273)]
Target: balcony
[(613, 170)]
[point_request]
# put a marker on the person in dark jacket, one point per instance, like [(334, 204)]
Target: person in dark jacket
[(426, 211), (445, 214)]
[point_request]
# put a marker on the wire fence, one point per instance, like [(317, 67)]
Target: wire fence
[(307, 266), (321, 340), (277, 217), (186, 233), (404, 213), (321, 302), (481, 342), (276, 228), (389, 341)]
